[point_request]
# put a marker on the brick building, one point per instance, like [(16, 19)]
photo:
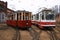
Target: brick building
[(4, 12), (58, 19), (3, 8)]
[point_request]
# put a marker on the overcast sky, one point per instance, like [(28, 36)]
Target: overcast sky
[(31, 5)]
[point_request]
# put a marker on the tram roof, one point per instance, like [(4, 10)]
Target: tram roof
[(18, 11), (46, 10)]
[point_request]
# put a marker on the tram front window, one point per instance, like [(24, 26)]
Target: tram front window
[(50, 17)]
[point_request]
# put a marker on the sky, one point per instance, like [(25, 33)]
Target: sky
[(31, 5)]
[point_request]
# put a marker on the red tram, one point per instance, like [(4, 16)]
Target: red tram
[(21, 19), (44, 19)]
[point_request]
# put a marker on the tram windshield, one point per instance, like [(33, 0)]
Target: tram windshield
[(50, 17)]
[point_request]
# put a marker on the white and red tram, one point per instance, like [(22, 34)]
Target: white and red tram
[(45, 18)]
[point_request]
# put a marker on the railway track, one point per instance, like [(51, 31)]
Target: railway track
[(39, 31), (57, 29), (36, 35), (52, 35), (33, 34), (16, 35)]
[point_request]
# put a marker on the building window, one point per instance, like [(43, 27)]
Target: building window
[(2, 16)]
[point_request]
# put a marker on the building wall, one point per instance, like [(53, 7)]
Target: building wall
[(58, 19), (3, 11), (2, 17)]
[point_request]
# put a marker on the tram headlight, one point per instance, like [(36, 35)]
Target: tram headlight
[(27, 23)]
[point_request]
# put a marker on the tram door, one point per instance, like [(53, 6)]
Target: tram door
[(26, 18)]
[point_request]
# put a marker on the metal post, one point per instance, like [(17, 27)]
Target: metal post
[(44, 16)]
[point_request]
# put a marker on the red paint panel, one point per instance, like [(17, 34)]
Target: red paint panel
[(20, 23), (11, 22), (8, 22), (29, 23), (44, 23), (34, 22), (23, 23), (47, 23)]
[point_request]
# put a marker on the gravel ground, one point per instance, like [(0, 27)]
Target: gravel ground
[(9, 33)]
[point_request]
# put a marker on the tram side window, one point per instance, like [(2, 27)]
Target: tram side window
[(42, 17), (32, 17), (12, 17), (26, 16), (23, 15), (20, 16), (15, 16), (37, 16)]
